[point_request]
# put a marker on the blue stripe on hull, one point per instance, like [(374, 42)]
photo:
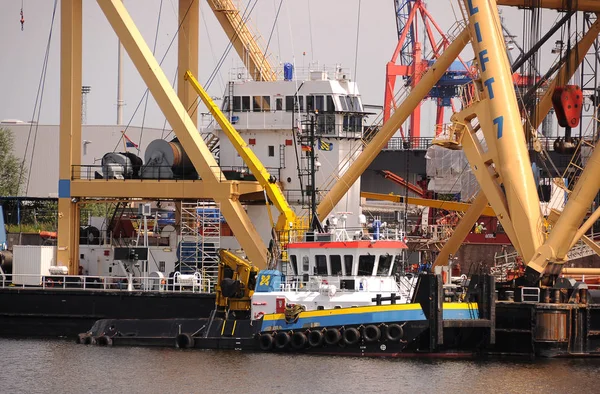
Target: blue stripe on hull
[(345, 319), (460, 314)]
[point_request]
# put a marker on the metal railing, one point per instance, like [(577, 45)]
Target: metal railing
[(422, 143), (178, 284)]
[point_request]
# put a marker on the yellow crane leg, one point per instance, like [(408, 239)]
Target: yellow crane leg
[(551, 256), (177, 116), (568, 69), (370, 152), (584, 229), (504, 131), (462, 229), (581, 271), (562, 5), (70, 132), (187, 53)]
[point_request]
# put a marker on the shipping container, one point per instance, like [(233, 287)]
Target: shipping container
[(31, 264)]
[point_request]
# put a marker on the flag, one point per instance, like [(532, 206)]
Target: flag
[(306, 148), (128, 142), (326, 146)]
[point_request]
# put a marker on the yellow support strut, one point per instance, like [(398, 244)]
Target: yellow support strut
[(287, 217)]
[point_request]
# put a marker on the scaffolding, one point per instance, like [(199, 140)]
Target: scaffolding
[(200, 239)]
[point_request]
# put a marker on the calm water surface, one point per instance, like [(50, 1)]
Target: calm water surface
[(36, 366)]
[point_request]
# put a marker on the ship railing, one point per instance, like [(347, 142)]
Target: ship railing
[(151, 284), (314, 71), (338, 284), (422, 143)]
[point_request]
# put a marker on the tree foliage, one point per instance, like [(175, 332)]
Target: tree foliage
[(12, 177)]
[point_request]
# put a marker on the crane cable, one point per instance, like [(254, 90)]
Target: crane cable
[(160, 64), (37, 107)]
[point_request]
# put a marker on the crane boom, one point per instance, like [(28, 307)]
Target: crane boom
[(242, 40), (287, 216)]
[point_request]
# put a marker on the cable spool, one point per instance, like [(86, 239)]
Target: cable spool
[(160, 154)]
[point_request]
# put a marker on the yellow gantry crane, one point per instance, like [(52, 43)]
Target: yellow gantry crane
[(243, 40), (287, 217)]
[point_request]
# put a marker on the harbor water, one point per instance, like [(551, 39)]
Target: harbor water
[(58, 366)]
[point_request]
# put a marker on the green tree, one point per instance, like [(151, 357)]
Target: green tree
[(12, 176)]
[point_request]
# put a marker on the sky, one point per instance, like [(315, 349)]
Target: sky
[(360, 35)]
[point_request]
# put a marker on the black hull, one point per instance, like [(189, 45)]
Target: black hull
[(68, 312)]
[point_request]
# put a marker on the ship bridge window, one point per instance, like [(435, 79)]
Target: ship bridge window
[(330, 105), (294, 102), (278, 104), (245, 103), (237, 103), (385, 262), (348, 259), (320, 103), (336, 264), (356, 104), (366, 263), (350, 103), (262, 103), (310, 103), (321, 265), (294, 261), (344, 104)]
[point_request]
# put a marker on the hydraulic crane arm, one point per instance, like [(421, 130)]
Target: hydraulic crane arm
[(242, 40), (263, 177), (427, 202)]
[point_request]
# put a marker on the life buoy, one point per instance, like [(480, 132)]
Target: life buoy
[(265, 341), (371, 333), (184, 341), (332, 336), (105, 341), (394, 332), (315, 338), (299, 340), (282, 340), (351, 336)]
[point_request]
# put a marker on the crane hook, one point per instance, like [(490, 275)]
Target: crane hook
[(22, 20)]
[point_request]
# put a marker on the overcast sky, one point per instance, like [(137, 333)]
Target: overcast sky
[(325, 30)]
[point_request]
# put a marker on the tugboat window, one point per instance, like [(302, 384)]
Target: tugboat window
[(294, 261), (336, 264), (289, 103), (305, 265), (348, 264), (271, 151), (237, 103), (321, 261), (385, 262), (278, 104), (366, 264), (245, 103), (225, 107), (344, 105), (350, 103)]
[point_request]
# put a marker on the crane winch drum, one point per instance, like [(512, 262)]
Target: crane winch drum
[(166, 160)]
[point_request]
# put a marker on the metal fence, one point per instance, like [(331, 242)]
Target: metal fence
[(422, 143)]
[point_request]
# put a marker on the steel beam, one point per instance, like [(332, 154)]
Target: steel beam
[(561, 5), (177, 116), (163, 189), (370, 152), (187, 53), (70, 132)]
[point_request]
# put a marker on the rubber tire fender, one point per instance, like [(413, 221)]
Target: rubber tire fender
[(332, 336), (371, 333), (184, 341), (265, 342), (394, 332), (315, 338), (299, 340), (282, 340), (351, 336), (104, 340)]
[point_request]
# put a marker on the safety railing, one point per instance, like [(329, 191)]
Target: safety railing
[(422, 143), (96, 172), (179, 283), (348, 284)]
